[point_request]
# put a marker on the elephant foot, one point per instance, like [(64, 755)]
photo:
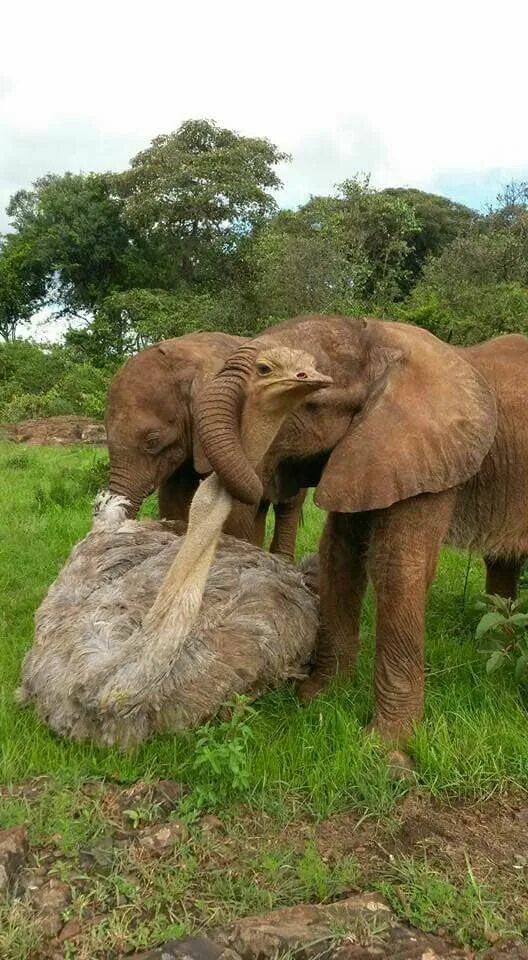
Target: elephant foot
[(312, 686), (400, 766), (395, 738)]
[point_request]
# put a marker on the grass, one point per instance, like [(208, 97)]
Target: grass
[(472, 741), (428, 899), (282, 760)]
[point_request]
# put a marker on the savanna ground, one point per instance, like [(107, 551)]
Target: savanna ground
[(281, 804)]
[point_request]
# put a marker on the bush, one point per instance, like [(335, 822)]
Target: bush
[(40, 381), (466, 312)]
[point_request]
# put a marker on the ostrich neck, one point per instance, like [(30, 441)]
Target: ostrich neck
[(180, 596)]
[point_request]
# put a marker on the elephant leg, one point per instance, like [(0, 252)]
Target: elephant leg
[(403, 553), (259, 524), (502, 575), (176, 492), (342, 585), (241, 522), (287, 517)]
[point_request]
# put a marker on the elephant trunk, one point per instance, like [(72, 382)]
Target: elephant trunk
[(219, 415), (134, 489)]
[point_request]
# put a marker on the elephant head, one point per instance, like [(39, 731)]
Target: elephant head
[(407, 415), (150, 413)]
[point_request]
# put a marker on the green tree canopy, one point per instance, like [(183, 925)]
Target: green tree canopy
[(195, 194), (74, 226), (438, 221), (22, 284), (478, 285), (341, 252)]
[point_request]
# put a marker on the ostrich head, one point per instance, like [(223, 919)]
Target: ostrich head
[(282, 378)]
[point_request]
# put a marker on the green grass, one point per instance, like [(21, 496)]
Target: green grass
[(285, 761), (472, 741), (428, 899)]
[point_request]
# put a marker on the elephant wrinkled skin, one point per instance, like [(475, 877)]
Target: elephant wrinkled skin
[(417, 443), (154, 445)]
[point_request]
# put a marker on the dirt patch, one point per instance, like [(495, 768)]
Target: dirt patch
[(56, 431), (113, 890), (491, 835)]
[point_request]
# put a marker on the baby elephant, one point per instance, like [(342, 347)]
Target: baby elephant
[(153, 442)]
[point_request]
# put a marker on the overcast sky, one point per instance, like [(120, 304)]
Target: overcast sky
[(418, 93)]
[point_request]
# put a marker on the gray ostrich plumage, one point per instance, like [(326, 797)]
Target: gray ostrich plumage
[(256, 628), (146, 631)]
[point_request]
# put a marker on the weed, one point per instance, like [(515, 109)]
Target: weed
[(503, 628), (221, 755)]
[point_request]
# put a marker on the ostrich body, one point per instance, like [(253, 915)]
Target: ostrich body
[(145, 631)]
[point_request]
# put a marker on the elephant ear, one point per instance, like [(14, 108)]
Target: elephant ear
[(428, 422)]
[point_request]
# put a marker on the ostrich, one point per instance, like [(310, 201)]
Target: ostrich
[(146, 631)]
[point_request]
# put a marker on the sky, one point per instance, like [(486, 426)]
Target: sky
[(423, 93)]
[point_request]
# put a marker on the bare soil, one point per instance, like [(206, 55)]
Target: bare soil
[(56, 431), (489, 838)]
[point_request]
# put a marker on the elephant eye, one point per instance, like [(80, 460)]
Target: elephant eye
[(263, 368), (152, 442)]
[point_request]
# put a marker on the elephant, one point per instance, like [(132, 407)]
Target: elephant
[(154, 445), (418, 443)]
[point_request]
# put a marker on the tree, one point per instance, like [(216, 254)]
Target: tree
[(466, 313), (346, 252), (378, 230), (478, 285), (74, 228), (22, 284), (298, 269), (194, 194), (135, 253), (438, 221)]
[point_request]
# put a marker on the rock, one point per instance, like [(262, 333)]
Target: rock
[(51, 898), (70, 930), (30, 880), (365, 922), (57, 430), (160, 840), (99, 858), (29, 790), (94, 433), (303, 929), (14, 849), (164, 794), (49, 902), (507, 951), (50, 924), (194, 948)]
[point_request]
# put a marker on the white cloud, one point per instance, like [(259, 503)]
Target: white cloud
[(414, 92)]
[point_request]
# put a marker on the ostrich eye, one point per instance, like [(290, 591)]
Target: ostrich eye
[(263, 368)]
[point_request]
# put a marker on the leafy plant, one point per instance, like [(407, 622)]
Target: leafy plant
[(503, 630), (222, 754)]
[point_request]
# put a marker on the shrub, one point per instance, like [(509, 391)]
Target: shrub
[(467, 312), (503, 631), (39, 381)]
